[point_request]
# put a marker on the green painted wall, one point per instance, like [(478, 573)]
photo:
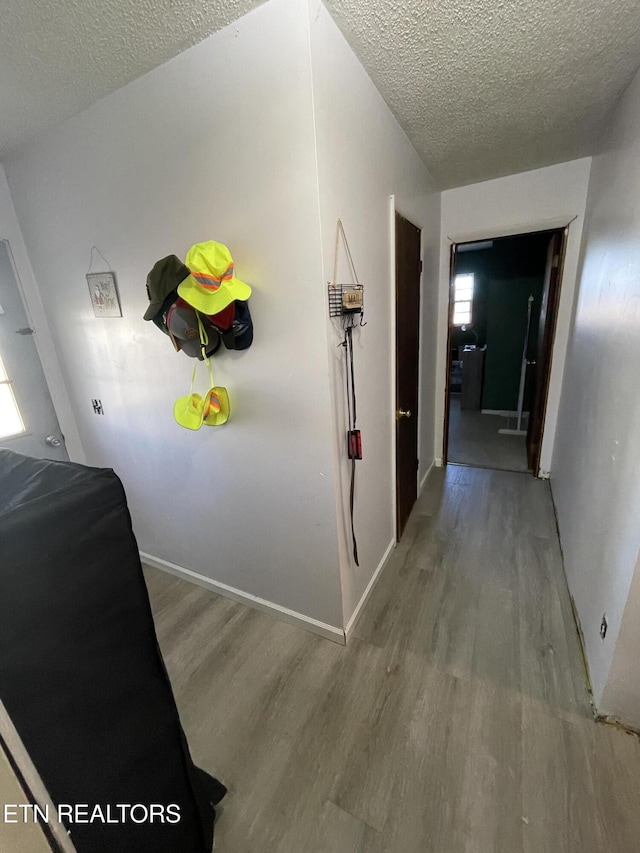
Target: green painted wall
[(506, 326)]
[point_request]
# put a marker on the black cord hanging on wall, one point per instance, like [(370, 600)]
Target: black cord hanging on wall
[(347, 301), (354, 439)]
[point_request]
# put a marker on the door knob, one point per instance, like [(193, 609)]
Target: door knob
[(52, 441), (402, 414)]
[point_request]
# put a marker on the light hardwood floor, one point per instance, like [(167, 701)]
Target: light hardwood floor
[(456, 721)]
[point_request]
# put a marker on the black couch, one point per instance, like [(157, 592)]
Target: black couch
[(81, 674)]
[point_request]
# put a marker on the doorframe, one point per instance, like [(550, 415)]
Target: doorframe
[(393, 209), (447, 378), (393, 365), (570, 219), (564, 230), (37, 319), (562, 253)]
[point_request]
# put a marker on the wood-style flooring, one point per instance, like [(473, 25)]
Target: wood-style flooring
[(457, 719), (475, 439), (16, 834)]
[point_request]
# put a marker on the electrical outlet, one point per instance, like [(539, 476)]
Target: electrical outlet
[(603, 627), (97, 407)]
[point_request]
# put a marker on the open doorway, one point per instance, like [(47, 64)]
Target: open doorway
[(503, 305), (28, 420)]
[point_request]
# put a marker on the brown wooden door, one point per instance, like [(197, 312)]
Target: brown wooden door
[(407, 355), (546, 333)]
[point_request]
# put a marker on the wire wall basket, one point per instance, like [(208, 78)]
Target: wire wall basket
[(345, 299)]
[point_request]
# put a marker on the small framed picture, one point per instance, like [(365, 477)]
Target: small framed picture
[(104, 294)]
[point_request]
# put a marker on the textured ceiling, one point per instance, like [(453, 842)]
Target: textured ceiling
[(486, 88), (59, 56), (482, 87)]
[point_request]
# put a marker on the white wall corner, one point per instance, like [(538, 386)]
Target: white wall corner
[(423, 481), (369, 589), (365, 173), (329, 632)]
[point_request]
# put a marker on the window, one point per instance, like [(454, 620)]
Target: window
[(10, 421), (462, 299)]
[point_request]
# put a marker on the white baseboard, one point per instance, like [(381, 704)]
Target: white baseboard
[(504, 413), (423, 481), (438, 461), (365, 595), (329, 632)]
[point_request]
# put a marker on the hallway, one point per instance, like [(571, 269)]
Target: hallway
[(456, 721)]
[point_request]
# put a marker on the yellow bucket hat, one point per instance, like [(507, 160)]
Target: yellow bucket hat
[(212, 409), (216, 407), (212, 284), (188, 410)]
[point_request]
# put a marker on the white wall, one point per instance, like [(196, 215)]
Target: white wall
[(596, 464), (621, 695), (530, 201), (216, 144), (363, 159), (10, 231)]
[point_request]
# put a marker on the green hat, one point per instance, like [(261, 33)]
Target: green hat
[(165, 276)]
